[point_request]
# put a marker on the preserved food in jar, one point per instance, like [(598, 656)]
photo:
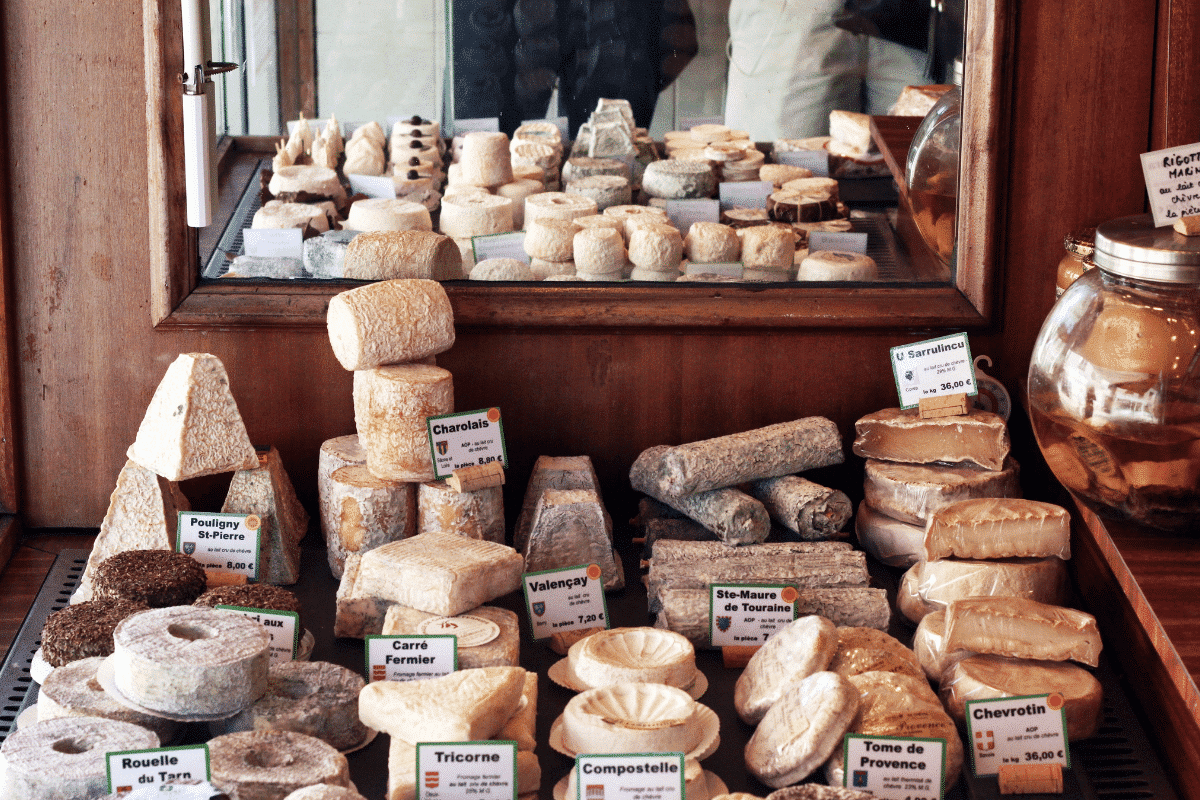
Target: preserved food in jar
[(1077, 260), (1114, 381), (931, 172)]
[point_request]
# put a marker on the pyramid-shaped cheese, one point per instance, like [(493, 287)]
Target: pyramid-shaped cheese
[(267, 492), (570, 527), (464, 706), (142, 515), (192, 426)]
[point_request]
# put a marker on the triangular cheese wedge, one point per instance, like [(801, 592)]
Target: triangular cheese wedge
[(464, 706), (142, 515), (267, 492), (192, 426)]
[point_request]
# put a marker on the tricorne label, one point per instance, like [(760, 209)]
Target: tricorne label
[(129, 769), (895, 768), (565, 599), (1017, 730), (458, 770), (933, 368), (470, 631), (749, 614), (410, 657), (221, 541), (283, 626)]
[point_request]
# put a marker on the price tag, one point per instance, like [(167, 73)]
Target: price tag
[(1017, 730), (933, 368), (565, 599), (1173, 182), (745, 194), (500, 245), (284, 627), (682, 213), (372, 185), (457, 770), (687, 123), (815, 160), (274, 242), (488, 124), (747, 614), (410, 658), (466, 439), (841, 241), (894, 768), (644, 776), (731, 269), (220, 541), (128, 769)]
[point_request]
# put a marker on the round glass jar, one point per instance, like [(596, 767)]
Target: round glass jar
[(931, 172), (1114, 380), (1077, 260)]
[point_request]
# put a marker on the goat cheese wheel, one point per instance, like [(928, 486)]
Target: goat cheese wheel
[(767, 247), (598, 250), (388, 214), (711, 243), (485, 159), (834, 265), (391, 404), (677, 179), (656, 247), (261, 765), (605, 190), (72, 690), (578, 167), (813, 186), (557, 205), (709, 132), (317, 181), (549, 270), (551, 239), (466, 215), (64, 759)]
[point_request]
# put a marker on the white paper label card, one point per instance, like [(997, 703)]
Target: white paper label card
[(730, 269), (460, 770), (466, 439), (745, 194), (565, 599), (895, 768), (845, 242), (284, 627), (687, 123), (815, 160), (642, 776), (1017, 730), (487, 124), (747, 614), (410, 658), (682, 213), (129, 769), (273, 242), (1173, 182), (500, 245), (221, 541), (933, 368), (372, 185)]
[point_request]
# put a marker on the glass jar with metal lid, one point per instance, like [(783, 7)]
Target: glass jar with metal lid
[(1114, 380), (1077, 259)]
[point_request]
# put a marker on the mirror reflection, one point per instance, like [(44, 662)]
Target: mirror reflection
[(723, 133)]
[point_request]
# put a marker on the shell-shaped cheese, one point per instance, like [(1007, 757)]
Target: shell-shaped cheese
[(631, 718), (801, 648), (623, 655)]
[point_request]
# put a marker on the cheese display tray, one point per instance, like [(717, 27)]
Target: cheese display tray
[(1118, 763)]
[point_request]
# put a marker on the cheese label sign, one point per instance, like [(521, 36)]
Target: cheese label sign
[(466, 439), (1172, 181), (456, 770), (895, 768), (565, 599), (682, 213), (372, 185), (748, 614), (842, 241), (284, 627), (500, 245), (486, 124), (129, 769), (1017, 730), (933, 368), (221, 541), (745, 194), (634, 776), (410, 658), (274, 243), (815, 160)]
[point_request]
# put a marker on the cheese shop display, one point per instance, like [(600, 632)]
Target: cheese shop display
[(1113, 382)]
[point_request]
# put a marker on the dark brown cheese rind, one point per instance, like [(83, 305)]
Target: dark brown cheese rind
[(251, 595), (84, 630), (157, 578)]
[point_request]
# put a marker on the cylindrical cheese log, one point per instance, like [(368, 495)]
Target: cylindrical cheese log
[(73, 691), (912, 492), (890, 541), (64, 759), (712, 243), (485, 160), (784, 448), (676, 179), (317, 181), (467, 215), (191, 660), (931, 585), (476, 515), (550, 239), (501, 269), (598, 250), (390, 322), (384, 255), (585, 166), (277, 215), (391, 405), (536, 154), (832, 265), (811, 511), (767, 247), (388, 214), (517, 191), (605, 190), (557, 205), (360, 512), (656, 247), (338, 452), (264, 765)]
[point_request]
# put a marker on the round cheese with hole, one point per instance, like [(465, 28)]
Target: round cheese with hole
[(65, 758), (466, 215), (557, 205)]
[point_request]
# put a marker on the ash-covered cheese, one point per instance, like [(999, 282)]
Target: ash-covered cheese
[(931, 585), (912, 492), (1022, 628), (440, 573), (571, 527), (992, 527), (894, 434), (487, 636), (390, 322), (192, 426), (552, 472)]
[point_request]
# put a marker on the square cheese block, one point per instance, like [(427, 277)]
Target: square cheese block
[(895, 434), (464, 706), (440, 573), (357, 615), (487, 636), (1022, 628), (998, 527)]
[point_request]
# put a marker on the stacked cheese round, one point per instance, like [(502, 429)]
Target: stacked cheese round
[(388, 214), (391, 405), (73, 690), (360, 511), (485, 159), (467, 215), (599, 250)]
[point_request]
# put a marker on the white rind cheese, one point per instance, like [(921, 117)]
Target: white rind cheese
[(804, 647), (464, 706), (929, 643), (1022, 628), (440, 573), (391, 406), (267, 492), (912, 492), (502, 650), (632, 718), (639, 655), (991, 527), (890, 541), (390, 322), (932, 585), (893, 434), (522, 725), (477, 514), (35, 764), (192, 426), (361, 512)]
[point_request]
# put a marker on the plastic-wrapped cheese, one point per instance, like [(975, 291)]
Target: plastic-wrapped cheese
[(929, 643), (911, 492), (931, 585), (391, 405), (803, 647), (992, 527), (1022, 628), (890, 541), (390, 322), (894, 434), (987, 677)]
